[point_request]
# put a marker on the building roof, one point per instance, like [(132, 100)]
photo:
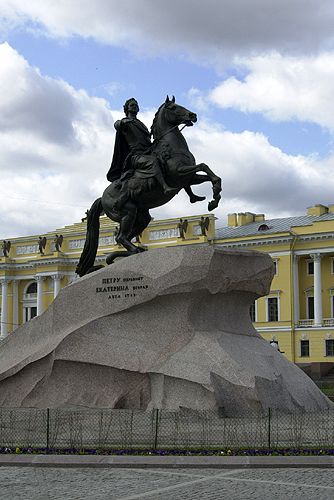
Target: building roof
[(282, 225)]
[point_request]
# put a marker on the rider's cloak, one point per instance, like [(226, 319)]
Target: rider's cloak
[(121, 151)]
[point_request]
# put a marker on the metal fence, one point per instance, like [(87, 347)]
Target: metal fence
[(126, 429)]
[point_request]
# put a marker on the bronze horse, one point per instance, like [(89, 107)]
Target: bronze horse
[(180, 171)]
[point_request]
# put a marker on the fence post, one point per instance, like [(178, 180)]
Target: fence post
[(269, 428), (47, 429), (156, 428)]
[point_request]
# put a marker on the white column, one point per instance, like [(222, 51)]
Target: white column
[(39, 280), (4, 306), (296, 289), (317, 289), (15, 304), (56, 284)]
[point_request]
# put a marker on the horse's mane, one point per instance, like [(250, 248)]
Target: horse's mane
[(155, 120)]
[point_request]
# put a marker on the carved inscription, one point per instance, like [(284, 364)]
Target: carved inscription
[(122, 288)]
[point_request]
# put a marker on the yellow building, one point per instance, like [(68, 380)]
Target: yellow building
[(298, 314), (31, 276), (299, 311)]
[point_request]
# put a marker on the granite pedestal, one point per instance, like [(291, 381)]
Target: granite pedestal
[(167, 328)]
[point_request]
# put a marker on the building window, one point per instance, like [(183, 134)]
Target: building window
[(272, 305), (304, 348), (310, 267), (329, 347), (252, 312), (310, 307), (30, 313), (32, 288), (263, 227), (276, 267), (30, 302)]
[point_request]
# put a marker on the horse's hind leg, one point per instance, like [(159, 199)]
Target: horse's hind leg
[(142, 221), (126, 223)]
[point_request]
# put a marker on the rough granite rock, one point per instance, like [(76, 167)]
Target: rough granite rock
[(167, 328)]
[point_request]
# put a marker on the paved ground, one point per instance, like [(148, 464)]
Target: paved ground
[(35, 483)]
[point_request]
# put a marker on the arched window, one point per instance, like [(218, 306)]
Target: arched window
[(32, 288), (30, 302), (263, 227)]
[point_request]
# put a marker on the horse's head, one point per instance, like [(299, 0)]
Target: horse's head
[(176, 114), (171, 114)]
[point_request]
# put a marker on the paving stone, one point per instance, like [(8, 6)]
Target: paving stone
[(37, 483)]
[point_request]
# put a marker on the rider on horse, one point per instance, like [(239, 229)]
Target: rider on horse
[(133, 151), (136, 177)]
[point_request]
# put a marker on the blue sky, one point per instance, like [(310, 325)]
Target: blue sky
[(259, 74), (115, 74)]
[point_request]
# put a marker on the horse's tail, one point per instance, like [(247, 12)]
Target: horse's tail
[(92, 239)]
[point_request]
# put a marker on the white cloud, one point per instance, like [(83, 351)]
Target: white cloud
[(282, 88), (48, 181), (54, 141), (196, 27), (257, 176)]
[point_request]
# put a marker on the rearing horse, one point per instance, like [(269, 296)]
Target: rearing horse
[(180, 171)]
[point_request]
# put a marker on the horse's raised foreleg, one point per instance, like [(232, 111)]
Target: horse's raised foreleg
[(194, 178), (193, 198), (199, 179), (216, 184)]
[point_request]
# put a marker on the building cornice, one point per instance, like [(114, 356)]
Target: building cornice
[(254, 242), (175, 221), (11, 266), (268, 329), (274, 240)]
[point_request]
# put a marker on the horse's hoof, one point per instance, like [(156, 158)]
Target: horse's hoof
[(94, 268), (212, 205), (195, 198), (133, 250), (141, 249)]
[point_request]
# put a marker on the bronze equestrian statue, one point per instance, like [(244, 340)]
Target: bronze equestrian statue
[(145, 175)]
